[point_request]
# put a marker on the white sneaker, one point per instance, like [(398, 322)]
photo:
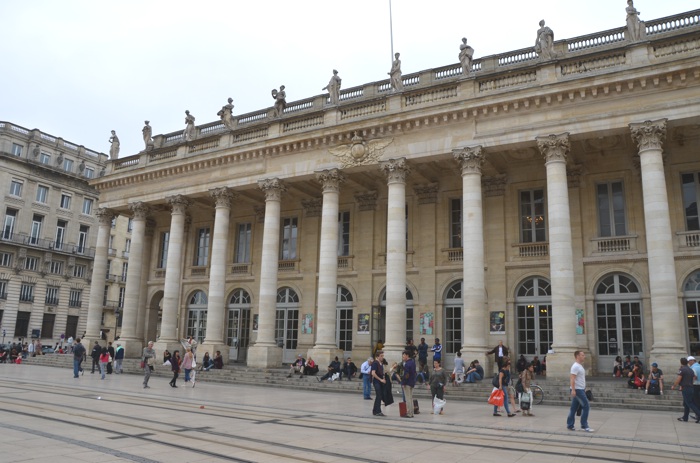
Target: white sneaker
[(587, 429)]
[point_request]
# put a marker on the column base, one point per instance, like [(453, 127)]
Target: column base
[(559, 363), (668, 357), (133, 348), (472, 353), (212, 348), (324, 355), (264, 357), (392, 353), (171, 346)]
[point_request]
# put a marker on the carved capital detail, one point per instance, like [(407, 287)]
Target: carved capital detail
[(139, 209), (367, 201), (312, 207), (331, 179), (222, 196), (178, 203), (649, 134), (470, 159), (273, 188), (105, 216), (427, 194), (494, 186), (396, 170), (554, 147)]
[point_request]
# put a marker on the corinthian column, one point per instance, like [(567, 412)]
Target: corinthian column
[(665, 313), (173, 273), (326, 349), (396, 171), (132, 345), (555, 149), (265, 352), (216, 307), (474, 320), (97, 283)]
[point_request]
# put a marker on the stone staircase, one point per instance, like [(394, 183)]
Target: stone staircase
[(607, 392)]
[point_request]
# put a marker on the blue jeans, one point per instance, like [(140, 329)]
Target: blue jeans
[(473, 377), (187, 374), (688, 403), (103, 369), (581, 399), (505, 401), (76, 367), (366, 385)]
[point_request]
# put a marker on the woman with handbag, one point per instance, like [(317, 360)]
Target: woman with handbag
[(147, 360), (503, 381), (187, 363), (175, 362)]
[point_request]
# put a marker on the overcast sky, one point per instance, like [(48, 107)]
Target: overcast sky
[(78, 69)]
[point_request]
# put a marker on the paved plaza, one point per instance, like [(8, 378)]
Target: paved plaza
[(47, 415)]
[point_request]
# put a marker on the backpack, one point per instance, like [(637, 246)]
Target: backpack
[(654, 388)]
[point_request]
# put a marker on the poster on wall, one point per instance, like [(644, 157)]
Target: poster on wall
[(580, 322), (363, 323), (307, 324), (427, 323), (497, 322), (255, 322)]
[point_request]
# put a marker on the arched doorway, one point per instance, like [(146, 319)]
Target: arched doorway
[(452, 323), (618, 304), (287, 323), (197, 316), (238, 325), (691, 301), (533, 313), (343, 328), (379, 317)]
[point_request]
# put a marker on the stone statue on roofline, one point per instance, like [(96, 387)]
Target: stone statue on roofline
[(395, 74), (147, 131), (114, 146), (544, 44), (280, 98), (636, 29), (226, 114), (190, 132), (466, 53), (333, 88)]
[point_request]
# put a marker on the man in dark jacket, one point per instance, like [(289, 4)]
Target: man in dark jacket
[(500, 352), (408, 381), (110, 351), (95, 354), (118, 359)]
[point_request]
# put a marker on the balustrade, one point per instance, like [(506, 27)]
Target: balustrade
[(532, 249)]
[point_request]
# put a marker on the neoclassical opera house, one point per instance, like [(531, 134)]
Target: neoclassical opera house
[(548, 200)]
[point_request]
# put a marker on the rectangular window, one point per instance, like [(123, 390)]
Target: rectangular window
[(125, 270), (56, 267), (690, 186), (130, 225), (47, 325), (72, 326), (65, 201), (163, 252), (243, 243), (202, 248), (16, 188), (61, 226), (35, 234), (79, 270), (75, 298), (22, 324), (3, 291), (532, 216), (45, 158), (89, 172), (453, 329), (288, 241), (31, 263), (16, 149), (82, 239), (104, 296), (8, 228), (52, 295), (42, 194), (5, 259), (127, 246), (109, 268), (26, 293), (87, 206), (610, 198), (68, 165), (344, 233), (122, 292), (456, 223)]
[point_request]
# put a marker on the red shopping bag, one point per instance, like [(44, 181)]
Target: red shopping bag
[(496, 398), (402, 409)]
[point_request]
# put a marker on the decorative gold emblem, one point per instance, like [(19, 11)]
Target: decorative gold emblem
[(360, 152)]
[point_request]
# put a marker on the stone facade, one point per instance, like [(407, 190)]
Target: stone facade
[(551, 204)]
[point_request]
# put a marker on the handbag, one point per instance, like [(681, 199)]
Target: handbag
[(496, 398), (403, 411), (143, 364)]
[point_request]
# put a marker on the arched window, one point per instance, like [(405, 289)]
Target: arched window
[(197, 316), (343, 331), (287, 323), (618, 304), (691, 301), (533, 314), (238, 325), (454, 304)]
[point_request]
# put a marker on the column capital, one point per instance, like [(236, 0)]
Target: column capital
[(649, 134), (223, 196), (178, 203), (105, 216), (273, 188), (470, 158), (331, 179), (396, 170), (554, 147), (139, 209)]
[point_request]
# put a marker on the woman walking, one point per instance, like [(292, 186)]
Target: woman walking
[(503, 381), (526, 377), (148, 359), (104, 359), (187, 362), (175, 362), (438, 380)]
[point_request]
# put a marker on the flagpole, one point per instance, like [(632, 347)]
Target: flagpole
[(391, 33)]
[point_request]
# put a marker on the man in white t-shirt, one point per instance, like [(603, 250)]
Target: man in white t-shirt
[(577, 384)]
